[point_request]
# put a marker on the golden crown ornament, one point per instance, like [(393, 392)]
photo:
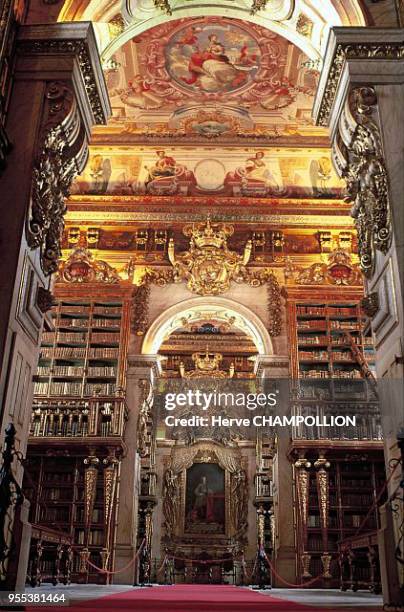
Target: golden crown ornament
[(209, 266)]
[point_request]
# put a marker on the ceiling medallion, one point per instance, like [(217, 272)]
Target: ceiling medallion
[(209, 266)]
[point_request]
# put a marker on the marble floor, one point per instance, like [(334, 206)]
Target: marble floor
[(329, 599)]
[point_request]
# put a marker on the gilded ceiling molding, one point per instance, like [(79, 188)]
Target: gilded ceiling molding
[(82, 267), (358, 157), (117, 216), (353, 51)]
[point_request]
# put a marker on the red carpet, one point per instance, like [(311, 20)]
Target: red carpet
[(189, 598)]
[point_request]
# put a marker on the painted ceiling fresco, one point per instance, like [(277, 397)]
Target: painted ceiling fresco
[(209, 77), (280, 172)]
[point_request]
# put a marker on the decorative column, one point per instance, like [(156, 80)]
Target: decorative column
[(90, 488), (58, 94), (302, 467), (140, 368), (323, 486), (111, 469), (360, 99)]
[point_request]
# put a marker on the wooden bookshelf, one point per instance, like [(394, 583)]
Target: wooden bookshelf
[(79, 417), (84, 355), (332, 369), (353, 488), (55, 489)]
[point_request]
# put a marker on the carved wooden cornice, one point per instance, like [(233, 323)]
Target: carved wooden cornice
[(65, 56), (370, 45), (347, 102), (77, 40)]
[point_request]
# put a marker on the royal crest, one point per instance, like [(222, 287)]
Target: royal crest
[(209, 266)]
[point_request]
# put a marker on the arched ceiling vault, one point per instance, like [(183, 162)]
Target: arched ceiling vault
[(303, 22)]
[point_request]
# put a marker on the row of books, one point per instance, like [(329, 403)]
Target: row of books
[(357, 499), (333, 311), (57, 388), (348, 325), (101, 371), (61, 352), (96, 516), (347, 374), (107, 310), (316, 544), (313, 339), (59, 370), (73, 322), (342, 356), (95, 537), (73, 388), (99, 388), (105, 338), (57, 494), (312, 324), (55, 514), (106, 323), (314, 521), (101, 352), (314, 355), (314, 374)]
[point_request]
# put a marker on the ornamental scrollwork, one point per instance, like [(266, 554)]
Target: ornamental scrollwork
[(171, 500), (338, 270), (283, 8), (322, 465), (82, 267), (144, 418), (208, 266), (352, 51), (141, 309), (366, 176), (62, 155)]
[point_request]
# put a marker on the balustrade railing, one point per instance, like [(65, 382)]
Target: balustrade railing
[(70, 417)]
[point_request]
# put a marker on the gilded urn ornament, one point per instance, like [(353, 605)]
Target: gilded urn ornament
[(208, 266)]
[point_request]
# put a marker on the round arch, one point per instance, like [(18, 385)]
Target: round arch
[(280, 16), (197, 309)]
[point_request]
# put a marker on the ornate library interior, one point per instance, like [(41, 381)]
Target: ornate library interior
[(202, 197)]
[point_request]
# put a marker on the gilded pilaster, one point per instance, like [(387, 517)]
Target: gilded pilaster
[(302, 466)]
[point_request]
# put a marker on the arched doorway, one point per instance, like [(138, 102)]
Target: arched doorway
[(206, 515)]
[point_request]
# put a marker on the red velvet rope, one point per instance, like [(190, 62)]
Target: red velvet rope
[(131, 562)]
